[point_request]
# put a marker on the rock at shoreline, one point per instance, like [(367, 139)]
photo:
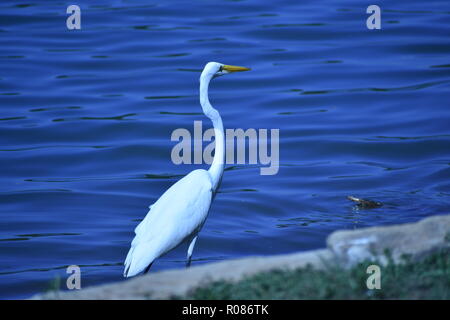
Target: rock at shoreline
[(345, 248), (414, 240)]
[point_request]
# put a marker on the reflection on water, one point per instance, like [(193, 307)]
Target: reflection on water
[(86, 118)]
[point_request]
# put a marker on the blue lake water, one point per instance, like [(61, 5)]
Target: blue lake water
[(86, 118)]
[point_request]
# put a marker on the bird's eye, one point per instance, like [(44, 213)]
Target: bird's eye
[(220, 69)]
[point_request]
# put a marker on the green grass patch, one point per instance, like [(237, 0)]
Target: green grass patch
[(426, 279)]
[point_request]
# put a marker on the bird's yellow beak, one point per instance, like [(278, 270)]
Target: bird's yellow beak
[(234, 68)]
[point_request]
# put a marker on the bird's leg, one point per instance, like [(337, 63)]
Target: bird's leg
[(190, 250)]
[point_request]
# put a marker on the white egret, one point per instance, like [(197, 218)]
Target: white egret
[(179, 214)]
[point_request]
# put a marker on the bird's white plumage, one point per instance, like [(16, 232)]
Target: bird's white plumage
[(174, 217), (180, 212)]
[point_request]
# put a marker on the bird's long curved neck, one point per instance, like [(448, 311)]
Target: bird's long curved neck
[(217, 166)]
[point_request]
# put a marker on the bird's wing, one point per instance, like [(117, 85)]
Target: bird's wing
[(176, 215)]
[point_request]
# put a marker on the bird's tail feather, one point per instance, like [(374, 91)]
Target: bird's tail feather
[(138, 258), (127, 262)]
